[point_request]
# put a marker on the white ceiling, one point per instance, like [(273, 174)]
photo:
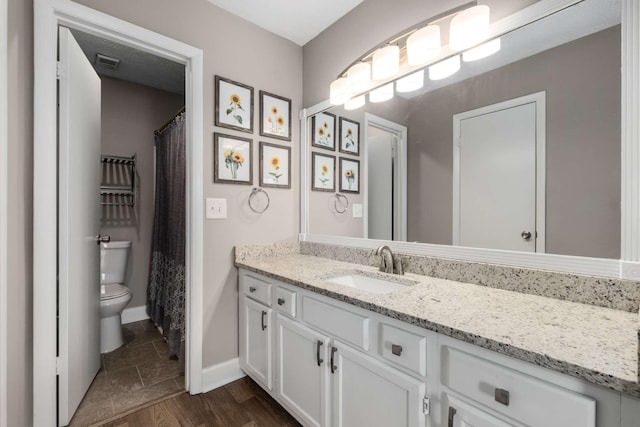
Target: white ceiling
[(296, 20)]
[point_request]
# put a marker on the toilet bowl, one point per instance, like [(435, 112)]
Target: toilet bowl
[(114, 296)]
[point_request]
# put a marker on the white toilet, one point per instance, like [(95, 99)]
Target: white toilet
[(114, 296)]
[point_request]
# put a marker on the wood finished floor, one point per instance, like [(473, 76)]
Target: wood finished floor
[(241, 403)]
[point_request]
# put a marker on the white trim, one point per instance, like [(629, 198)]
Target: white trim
[(221, 374), (48, 14), (539, 99), (400, 204), (134, 314), (4, 211)]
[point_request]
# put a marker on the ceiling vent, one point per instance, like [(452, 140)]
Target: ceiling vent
[(106, 63)]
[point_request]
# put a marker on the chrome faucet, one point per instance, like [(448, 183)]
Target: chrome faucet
[(388, 263)]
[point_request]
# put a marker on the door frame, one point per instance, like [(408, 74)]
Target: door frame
[(400, 166), (4, 211), (539, 100), (48, 15)]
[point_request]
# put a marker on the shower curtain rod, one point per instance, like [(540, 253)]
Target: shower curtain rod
[(164, 126)]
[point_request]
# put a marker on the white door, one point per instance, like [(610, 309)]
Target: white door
[(302, 371), (380, 180), (369, 393), (495, 178), (255, 341), (79, 223)]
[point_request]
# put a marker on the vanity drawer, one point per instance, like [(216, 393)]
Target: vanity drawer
[(337, 322), (286, 301), (256, 287), (515, 394), (403, 348)]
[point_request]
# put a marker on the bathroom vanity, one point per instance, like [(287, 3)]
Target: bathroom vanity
[(434, 352)]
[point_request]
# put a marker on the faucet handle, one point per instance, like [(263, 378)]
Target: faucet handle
[(397, 265)]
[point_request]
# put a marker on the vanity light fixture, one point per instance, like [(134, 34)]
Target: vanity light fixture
[(385, 63), (338, 93), (355, 103), (469, 27), (482, 51), (444, 69), (383, 93), (411, 82), (423, 45), (358, 78)]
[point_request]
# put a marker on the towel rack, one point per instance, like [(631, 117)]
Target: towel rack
[(118, 186), (346, 204), (253, 194)]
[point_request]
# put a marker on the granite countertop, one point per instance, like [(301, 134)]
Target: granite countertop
[(596, 344)]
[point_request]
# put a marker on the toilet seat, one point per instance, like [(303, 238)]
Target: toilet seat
[(112, 290)]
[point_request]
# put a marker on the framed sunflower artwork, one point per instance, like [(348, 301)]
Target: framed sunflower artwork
[(349, 175), (234, 105), (323, 131), (323, 172), (275, 116), (232, 159), (275, 161), (349, 136)]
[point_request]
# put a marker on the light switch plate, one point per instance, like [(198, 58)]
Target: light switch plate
[(216, 208), (357, 210)]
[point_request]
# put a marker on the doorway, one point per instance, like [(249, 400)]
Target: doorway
[(48, 16), (386, 204), (499, 176)]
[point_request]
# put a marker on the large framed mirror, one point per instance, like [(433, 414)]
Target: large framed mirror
[(526, 157)]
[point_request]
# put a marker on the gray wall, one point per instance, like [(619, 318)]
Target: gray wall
[(203, 25), (130, 114), (582, 141)]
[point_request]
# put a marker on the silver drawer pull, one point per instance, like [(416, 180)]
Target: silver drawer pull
[(252, 289), (280, 301), (501, 396), (452, 414), (396, 349)]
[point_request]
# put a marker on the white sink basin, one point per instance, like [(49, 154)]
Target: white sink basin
[(367, 283)]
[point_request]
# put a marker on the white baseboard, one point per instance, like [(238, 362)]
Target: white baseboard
[(223, 373), (134, 314)]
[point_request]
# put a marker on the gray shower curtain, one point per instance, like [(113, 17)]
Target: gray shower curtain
[(166, 290)]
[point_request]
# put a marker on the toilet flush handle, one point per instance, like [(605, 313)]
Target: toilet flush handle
[(102, 239)]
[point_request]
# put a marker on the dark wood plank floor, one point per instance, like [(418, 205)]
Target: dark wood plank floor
[(241, 403)]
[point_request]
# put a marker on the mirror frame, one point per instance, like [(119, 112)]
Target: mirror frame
[(628, 267)]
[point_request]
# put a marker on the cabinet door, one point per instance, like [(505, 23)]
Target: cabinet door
[(462, 414), (255, 341), (369, 393), (302, 371)]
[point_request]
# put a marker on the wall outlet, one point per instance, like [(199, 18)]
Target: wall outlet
[(357, 210), (216, 208)]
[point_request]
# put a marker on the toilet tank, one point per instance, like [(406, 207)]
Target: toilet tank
[(113, 261)]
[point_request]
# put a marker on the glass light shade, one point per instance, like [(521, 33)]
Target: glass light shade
[(444, 69), (382, 94), (338, 93), (386, 62), (469, 27), (355, 103), (358, 77), (410, 83), (423, 45), (482, 51)]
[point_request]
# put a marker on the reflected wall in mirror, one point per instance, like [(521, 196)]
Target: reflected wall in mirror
[(538, 122)]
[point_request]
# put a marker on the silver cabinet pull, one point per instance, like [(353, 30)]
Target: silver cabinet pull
[(452, 413), (252, 289), (102, 239), (264, 325), (501, 396), (318, 345), (334, 368), (280, 301), (526, 235), (396, 349)]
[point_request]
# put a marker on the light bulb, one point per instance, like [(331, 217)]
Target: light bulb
[(358, 78), (469, 27), (338, 94), (355, 103), (410, 83), (386, 62), (444, 69), (423, 45), (382, 94), (482, 51)]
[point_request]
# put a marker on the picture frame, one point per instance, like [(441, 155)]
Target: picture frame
[(275, 165), (349, 175), (349, 136), (323, 131), (323, 172), (233, 105), (275, 116), (232, 159)]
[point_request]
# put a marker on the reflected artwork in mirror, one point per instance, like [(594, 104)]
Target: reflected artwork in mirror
[(519, 151)]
